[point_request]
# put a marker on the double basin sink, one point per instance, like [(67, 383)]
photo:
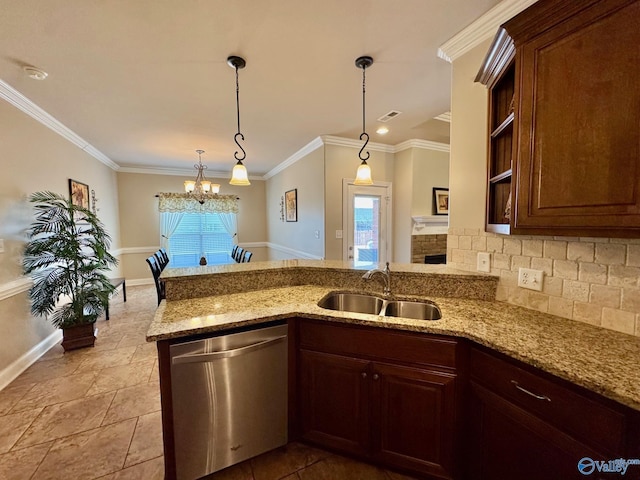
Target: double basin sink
[(374, 305)]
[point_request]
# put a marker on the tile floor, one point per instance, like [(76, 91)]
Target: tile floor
[(95, 414)]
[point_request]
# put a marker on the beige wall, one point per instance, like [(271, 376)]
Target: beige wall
[(430, 169), (342, 162), (34, 158), (593, 280), (139, 217), (402, 205), (304, 238)]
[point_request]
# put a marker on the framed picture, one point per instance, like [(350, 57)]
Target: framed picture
[(291, 205), (79, 193), (441, 200)]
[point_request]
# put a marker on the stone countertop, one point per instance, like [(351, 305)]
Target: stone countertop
[(601, 360)]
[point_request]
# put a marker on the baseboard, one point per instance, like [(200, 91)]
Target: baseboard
[(10, 373), (137, 282)]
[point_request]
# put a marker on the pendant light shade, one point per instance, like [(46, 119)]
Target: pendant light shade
[(239, 176), (363, 176)]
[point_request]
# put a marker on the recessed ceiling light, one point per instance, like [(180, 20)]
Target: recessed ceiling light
[(382, 130), (35, 73)]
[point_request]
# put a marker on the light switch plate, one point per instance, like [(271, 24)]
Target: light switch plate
[(531, 279), (484, 262), (338, 233)]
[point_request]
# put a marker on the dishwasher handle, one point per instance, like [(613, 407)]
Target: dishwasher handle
[(207, 357)]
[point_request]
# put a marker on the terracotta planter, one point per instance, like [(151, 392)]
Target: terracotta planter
[(78, 336)]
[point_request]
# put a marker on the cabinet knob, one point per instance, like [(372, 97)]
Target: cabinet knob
[(363, 374), (376, 376)]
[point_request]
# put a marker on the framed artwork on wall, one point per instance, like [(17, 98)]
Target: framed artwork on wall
[(291, 205), (79, 193), (441, 200)]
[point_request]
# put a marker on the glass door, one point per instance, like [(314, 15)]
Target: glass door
[(367, 224)]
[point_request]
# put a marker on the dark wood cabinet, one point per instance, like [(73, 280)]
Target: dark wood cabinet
[(527, 425), (364, 391), (576, 142)]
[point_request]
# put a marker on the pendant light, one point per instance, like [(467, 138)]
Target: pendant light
[(363, 176), (200, 188), (239, 175)]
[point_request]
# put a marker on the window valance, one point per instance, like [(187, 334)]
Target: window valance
[(183, 202)]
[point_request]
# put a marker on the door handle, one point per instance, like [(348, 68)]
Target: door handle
[(208, 357), (530, 393)]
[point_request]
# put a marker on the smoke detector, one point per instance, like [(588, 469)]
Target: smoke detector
[(35, 73)]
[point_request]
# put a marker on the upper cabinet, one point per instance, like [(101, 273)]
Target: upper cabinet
[(564, 120)]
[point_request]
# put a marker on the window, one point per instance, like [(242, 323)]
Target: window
[(200, 234)]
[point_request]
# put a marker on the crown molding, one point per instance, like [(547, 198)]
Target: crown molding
[(179, 172), (444, 117), (349, 142), (481, 29), (424, 144), (303, 152), (15, 98)]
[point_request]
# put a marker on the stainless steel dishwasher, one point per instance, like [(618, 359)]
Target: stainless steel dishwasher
[(229, 399)]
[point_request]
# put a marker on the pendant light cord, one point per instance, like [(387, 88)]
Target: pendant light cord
[(244, 154), (364, 134)]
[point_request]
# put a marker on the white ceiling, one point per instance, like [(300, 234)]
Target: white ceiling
[(146, 81)]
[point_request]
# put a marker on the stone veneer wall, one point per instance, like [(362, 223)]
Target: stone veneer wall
[(592, 280), (422, 245)]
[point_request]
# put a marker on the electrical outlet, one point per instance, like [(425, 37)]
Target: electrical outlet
[(317, 234), (484, 262), (531, 279)]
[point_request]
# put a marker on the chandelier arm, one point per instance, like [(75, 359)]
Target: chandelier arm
[(244, 154)]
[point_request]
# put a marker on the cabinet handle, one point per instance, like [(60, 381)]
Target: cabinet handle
[(363, 374), (376, 376), (524, 390)]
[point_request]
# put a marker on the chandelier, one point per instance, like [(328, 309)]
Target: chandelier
[(239, 175), (200, 188), (363, 176)]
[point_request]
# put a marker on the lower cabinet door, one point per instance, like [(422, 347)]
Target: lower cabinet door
[(509, 443), (334, 401), (413, 419)]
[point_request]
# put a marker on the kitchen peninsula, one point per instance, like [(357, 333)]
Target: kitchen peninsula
[(472, 355)]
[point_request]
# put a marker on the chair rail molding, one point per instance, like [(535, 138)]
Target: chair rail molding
[(14, 287), (295, 253)]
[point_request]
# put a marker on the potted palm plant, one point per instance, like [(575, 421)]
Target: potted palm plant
[(67, 255)]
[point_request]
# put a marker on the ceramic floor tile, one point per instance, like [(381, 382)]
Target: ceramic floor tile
[(132, 402), (106, 359), (67, 418), (20, 464), (149, 470), (87, 455), (155, 374), (43, 371), (338, 468), (398, 476), (122, 376), (145, 351), (147, 439), (133, 340), (11, 395), (56, 390), (13, 426), (242, 471), (285, 460)]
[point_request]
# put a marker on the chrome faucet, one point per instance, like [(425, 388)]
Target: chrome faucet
[(386, 276)]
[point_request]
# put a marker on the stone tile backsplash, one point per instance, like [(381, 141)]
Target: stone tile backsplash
[(593, 280)]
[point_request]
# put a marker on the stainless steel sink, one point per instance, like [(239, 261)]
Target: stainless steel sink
[(373, 305), (352, 302), (412, 309)]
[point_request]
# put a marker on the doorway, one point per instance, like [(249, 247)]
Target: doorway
[(366, 219)]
